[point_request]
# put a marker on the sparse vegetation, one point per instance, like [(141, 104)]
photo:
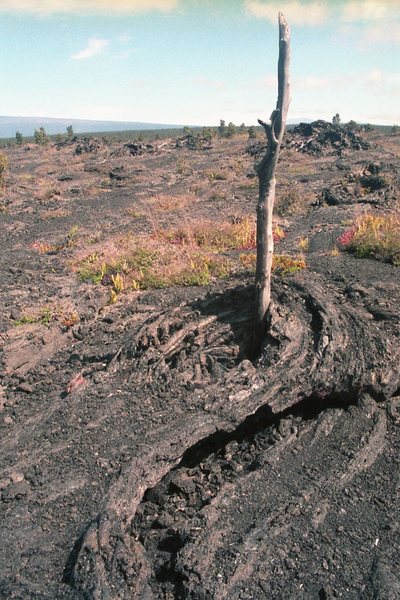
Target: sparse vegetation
[(290, 201), (3, 169), (43, 247), (214, 236), (192, 254), (374, 236), (282, 264), (46, 314), (166, 203)]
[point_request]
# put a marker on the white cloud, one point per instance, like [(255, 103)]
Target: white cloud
[(312, 82), (369, 35), (297, 12), (94, 46), (388, 33), (378, 81), (48, 7), (369, 10)]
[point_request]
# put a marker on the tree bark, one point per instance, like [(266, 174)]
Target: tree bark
[(266, 170)]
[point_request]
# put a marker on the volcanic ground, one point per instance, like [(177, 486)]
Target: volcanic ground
[(144, 453)]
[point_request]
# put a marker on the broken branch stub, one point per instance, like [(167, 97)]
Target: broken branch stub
[(266, 170)]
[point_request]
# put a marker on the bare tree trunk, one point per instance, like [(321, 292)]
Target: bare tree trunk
[(266, 174)]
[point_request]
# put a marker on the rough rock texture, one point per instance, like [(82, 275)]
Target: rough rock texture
[(321, 137), (142, 455), (318, 138), (273, 465)]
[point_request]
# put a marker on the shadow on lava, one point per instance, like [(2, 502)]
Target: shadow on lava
[(235, 308)]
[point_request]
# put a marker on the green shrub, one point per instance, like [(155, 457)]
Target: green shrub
[(41, 137), (374, 236)]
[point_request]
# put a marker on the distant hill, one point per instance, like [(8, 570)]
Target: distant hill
[(27, 125)]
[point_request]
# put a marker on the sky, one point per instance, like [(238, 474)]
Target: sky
[(195, 62)]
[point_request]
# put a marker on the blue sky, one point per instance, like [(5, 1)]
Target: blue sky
[(197, 61)]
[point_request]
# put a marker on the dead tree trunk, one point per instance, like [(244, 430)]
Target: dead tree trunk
[(266, 174)]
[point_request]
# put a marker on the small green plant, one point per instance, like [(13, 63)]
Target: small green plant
[(44, 317), (18, 138), (70, 132), (118, 282), (25, 320), (90, 270), (285, 265), (334, 252), (304, 244), (72, 237)]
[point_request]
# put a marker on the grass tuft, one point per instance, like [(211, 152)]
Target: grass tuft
[(374, 236), (47, 314), (282, 264)]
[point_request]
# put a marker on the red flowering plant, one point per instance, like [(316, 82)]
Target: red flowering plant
[(347, 237)]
